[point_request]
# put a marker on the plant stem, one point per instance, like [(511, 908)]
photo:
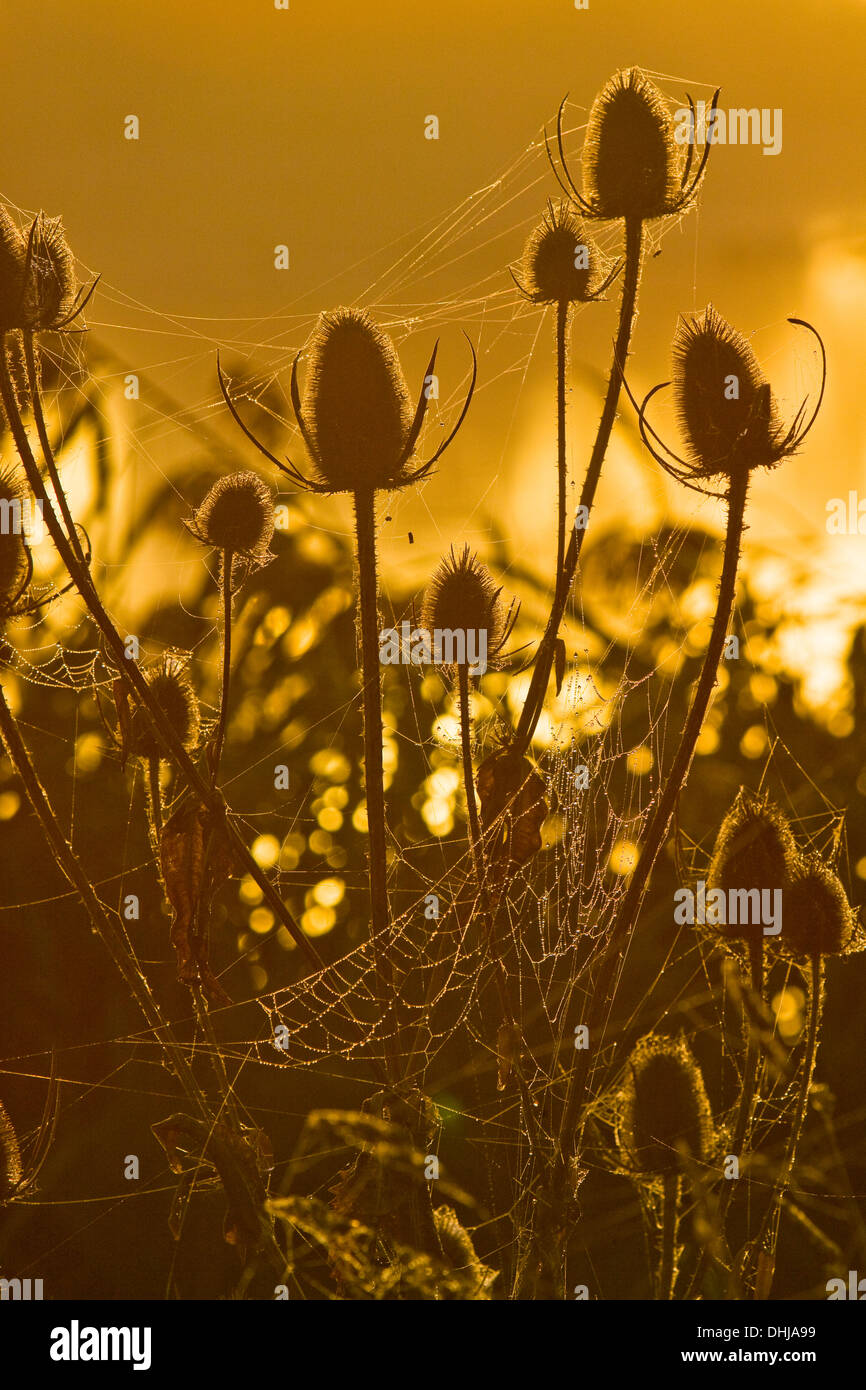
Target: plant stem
[(562, 315), (226, 593), (670, 1201), (34, 377), (662, 813), (154, 797), (816, 1005), (106, 931), (534, 704), (743, 1118), (468, 777), (371, 680), (130, 671)]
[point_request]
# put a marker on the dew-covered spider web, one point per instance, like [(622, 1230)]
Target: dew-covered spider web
[(462, 955)]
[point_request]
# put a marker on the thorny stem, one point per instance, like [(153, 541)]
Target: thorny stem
[(562, 314), (468, 778), (130, 671), (154, 797), (534, 704), (662, 813), (371, 680), (670, 1200), (226, 593), (34, 376), (106, 931)]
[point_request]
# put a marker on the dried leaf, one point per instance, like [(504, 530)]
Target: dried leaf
[(509, 788)]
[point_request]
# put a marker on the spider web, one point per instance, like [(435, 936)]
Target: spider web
[(559, 908)]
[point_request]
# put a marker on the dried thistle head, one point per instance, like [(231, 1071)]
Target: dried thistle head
[(631, 163), (725, 406), (664, 1107), (818, 918), (356, 404), (356, 420), (236, 516), (727, 410), (754, 848), (632, 166), (173, 692), (462, 597), (561, 264), (13, 252), (11, 1171), (51, 284), (15, 563)]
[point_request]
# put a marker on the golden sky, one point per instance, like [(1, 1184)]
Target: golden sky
[(305, 126)]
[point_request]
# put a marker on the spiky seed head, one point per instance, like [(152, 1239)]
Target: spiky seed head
[(818, 918), (14, 558), (664, 1107), (462, 596), (237, 515), (173, 691), (726, 409), (356, 404), (561, 264), (754, 849), (12, 253), (10, 1157), (631, 164), (51, 280)]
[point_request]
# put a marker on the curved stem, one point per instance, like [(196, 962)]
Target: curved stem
[(662, 813), (34, 378), (368, 593), (130, 671), (225, 684), (108, 934), (534, 704)]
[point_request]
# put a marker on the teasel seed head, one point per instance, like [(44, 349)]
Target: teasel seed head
[(462, 596), (15, 564), (51, 282), (818, 919), (631, 163), (237, 515), (356, 404), (725, 406), (754, 849), (173, 691), (561, 264), (664, 1106), (12, 254), (10, 1157)]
